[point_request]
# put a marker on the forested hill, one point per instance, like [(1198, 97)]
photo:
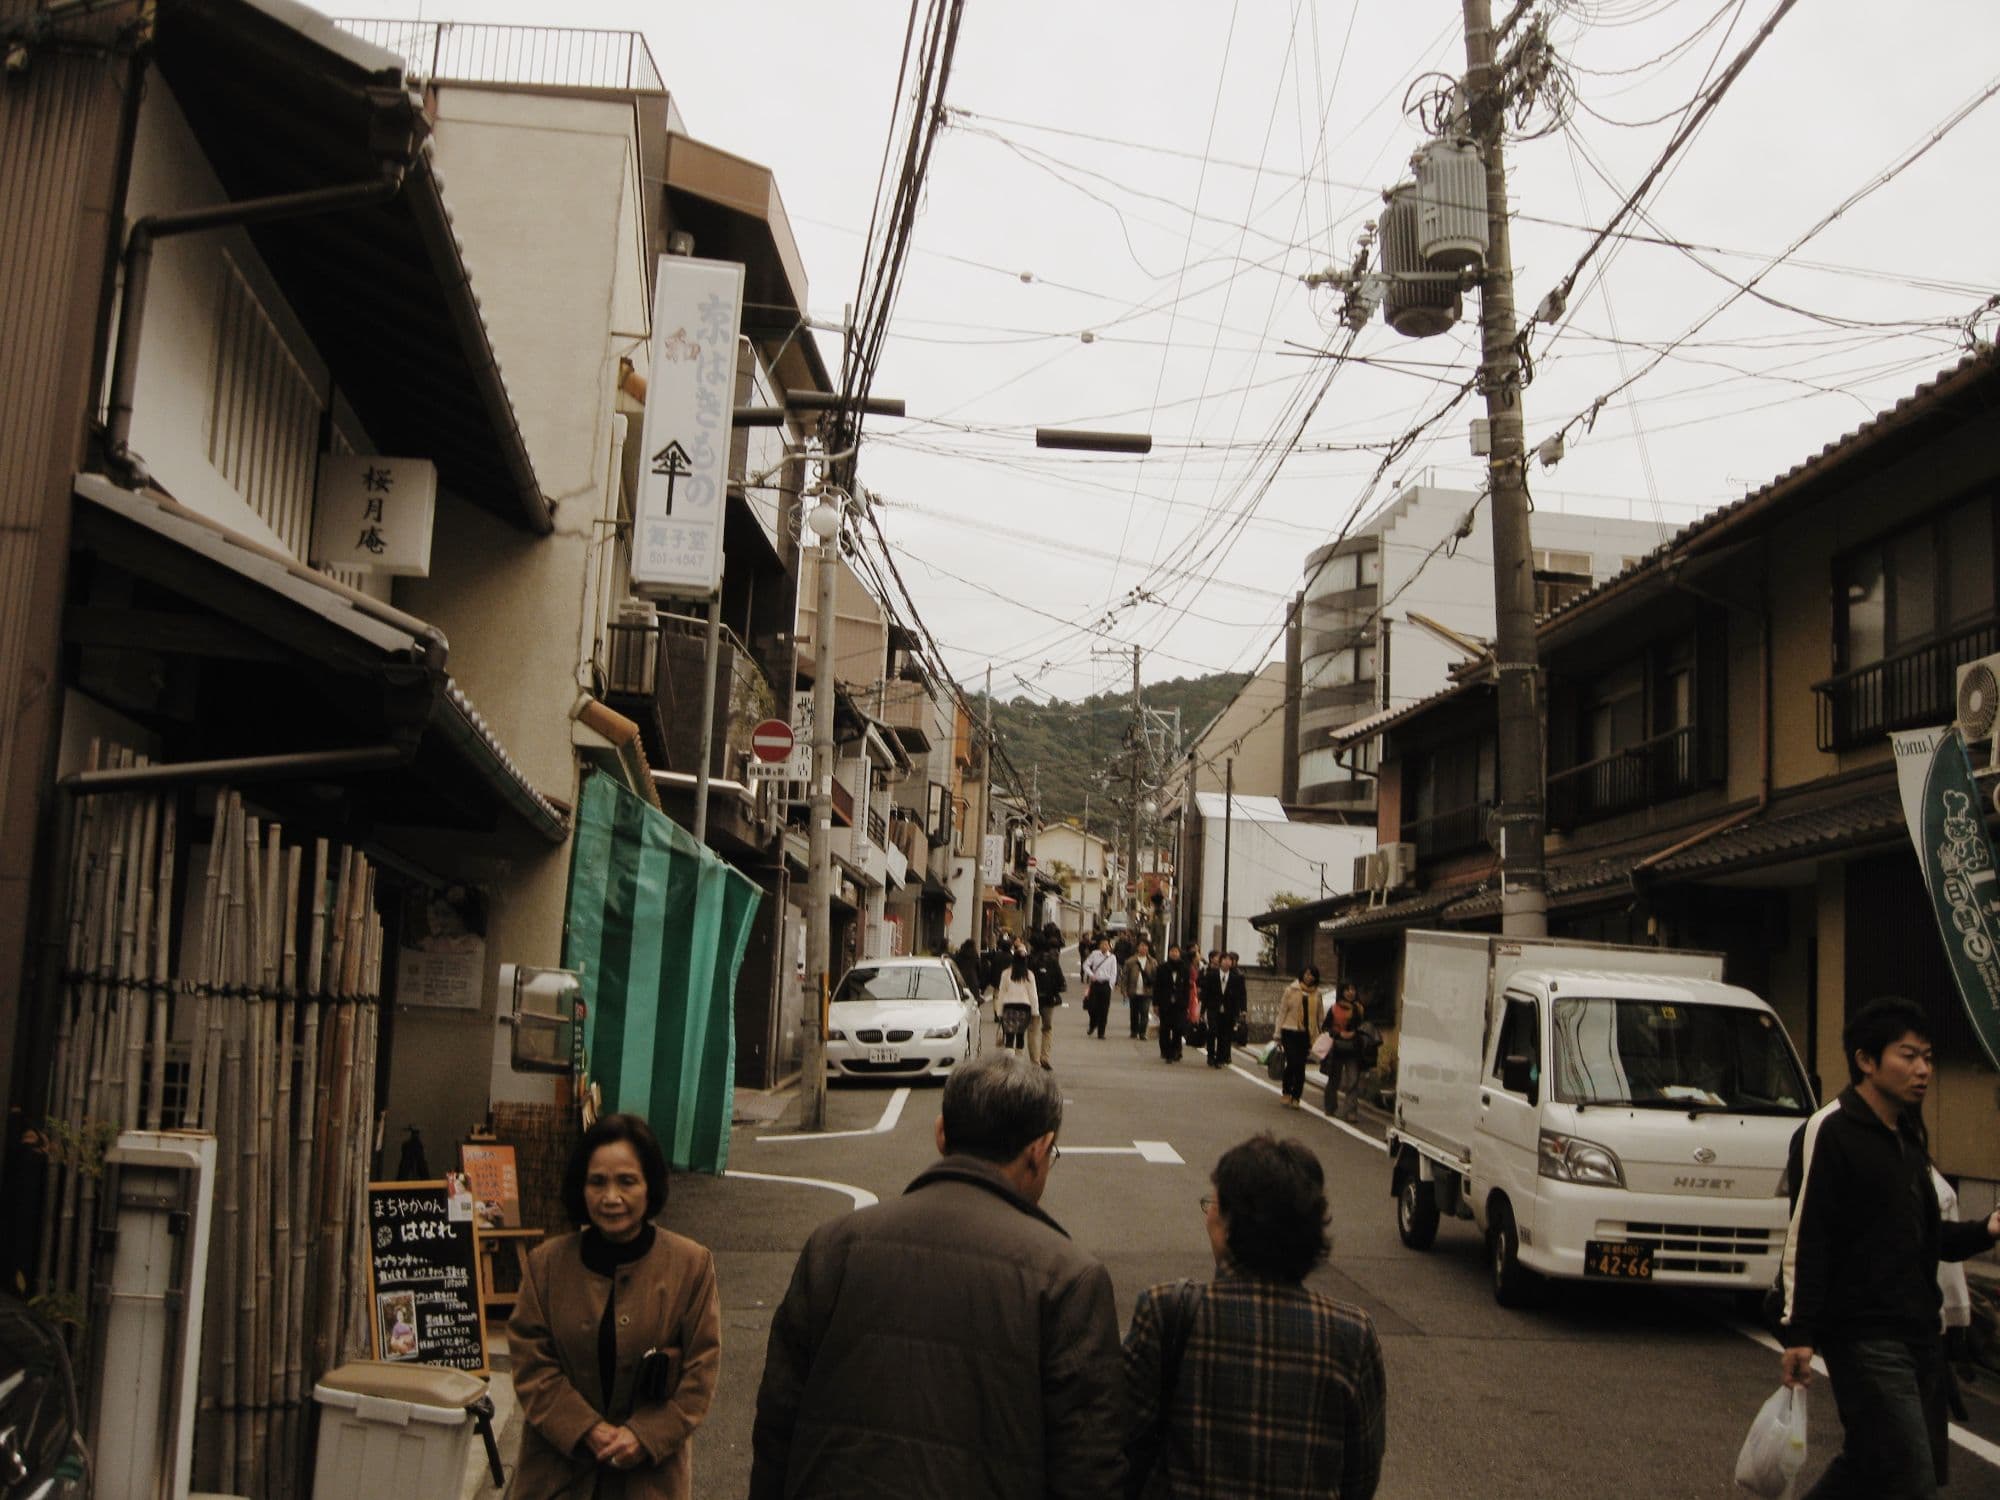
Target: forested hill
[(1079, 746)]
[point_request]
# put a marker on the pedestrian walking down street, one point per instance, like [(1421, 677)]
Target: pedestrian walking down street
[(1135, 982), (1298, 1018), (1170, 998), (966, 959), (1355, 1047), (1860, 1271), (1009, 1387), (1046, 961), (1100, 971), (617, 1336), (1224, 999), (1252, 1386), (1017, 1003)]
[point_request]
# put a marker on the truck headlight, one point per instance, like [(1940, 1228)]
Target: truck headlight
[(1568, 1158), (940, 1033)]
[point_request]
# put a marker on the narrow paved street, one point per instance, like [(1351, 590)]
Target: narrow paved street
[(1599, 1392)]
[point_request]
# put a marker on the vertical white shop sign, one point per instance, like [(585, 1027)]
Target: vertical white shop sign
[(684, 441)]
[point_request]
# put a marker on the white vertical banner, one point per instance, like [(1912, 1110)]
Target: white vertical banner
[(684, 441)]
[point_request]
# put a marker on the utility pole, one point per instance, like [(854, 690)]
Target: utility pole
[(1028, 900), (1228, 820), (1132, 836), (819, 855), (985, 819), (1523, 888)]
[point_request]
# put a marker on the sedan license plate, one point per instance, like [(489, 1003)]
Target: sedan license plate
[(884, 1055), (1615, 1258)]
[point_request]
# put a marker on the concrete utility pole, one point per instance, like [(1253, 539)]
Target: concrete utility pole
[(1523, 888), (1228, 821), (819, 825), (979, 838), (1028, 900), (1132, 837)]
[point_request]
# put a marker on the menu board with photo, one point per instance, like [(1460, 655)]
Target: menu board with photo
[(496, 1184), (424, 1273)]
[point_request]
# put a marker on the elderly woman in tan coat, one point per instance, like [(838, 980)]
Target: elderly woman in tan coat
[(617, 1335)]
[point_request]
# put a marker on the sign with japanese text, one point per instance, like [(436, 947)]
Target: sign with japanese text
[(1947, 822), (992, 854), (423, 1273), (375, 513), (684, 439), (495, 1181)]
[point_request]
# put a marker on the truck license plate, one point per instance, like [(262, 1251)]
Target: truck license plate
[(883, 1055), (1615, 1258)]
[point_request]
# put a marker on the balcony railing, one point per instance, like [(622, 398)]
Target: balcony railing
[(669, 711), (906, 708), (1913, 687), (1451, 832), (1637, 776), (556, 57)]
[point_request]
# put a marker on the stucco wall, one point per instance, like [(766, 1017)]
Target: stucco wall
[(1252, 729)]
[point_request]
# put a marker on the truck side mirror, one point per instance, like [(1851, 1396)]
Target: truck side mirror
[(1516, 1076)]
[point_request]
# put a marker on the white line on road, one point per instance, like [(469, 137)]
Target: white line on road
[(891, 1113), (1971, 1441), (1158, 1152), (1313, 1109), (861, 1196)]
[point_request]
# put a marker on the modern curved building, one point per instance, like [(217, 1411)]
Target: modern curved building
[(1361, 651)]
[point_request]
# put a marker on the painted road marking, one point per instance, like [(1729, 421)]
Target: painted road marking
[(1970, 1441), (891, 1113), (861, 1196), (1313, 1109), (1158, 1152)]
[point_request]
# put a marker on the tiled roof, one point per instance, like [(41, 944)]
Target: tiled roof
[(1874, 817), (1906, 409)]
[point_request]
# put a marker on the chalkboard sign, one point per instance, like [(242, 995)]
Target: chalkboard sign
[(423, 1260)]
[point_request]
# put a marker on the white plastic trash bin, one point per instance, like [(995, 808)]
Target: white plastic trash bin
[(397, 1431)]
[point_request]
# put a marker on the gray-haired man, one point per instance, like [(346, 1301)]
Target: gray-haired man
[(952, 1342)]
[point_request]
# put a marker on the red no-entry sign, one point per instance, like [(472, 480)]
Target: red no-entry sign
[(771, 741)]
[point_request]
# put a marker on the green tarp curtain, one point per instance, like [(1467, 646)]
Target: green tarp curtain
[(657, 928)]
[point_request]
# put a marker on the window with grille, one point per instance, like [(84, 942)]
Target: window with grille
[(263, 415)]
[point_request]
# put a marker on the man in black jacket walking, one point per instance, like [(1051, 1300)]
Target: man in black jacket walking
[(1861, 1259), (1224, 997)]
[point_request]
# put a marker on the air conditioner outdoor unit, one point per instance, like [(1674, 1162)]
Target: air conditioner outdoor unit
[(1978, 698), (1377, 869), (634, 648), (1361, 868), (1399, 866)]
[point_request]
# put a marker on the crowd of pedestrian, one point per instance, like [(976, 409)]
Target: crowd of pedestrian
[(1016, 1381), (1187, 998)]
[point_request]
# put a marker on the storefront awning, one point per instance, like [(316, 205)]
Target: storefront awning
[(294, 661), (281, 101)]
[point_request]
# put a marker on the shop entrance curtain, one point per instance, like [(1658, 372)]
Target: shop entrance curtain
[(657, 927)]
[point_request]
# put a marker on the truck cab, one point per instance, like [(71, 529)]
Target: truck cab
[(1595, 1120)]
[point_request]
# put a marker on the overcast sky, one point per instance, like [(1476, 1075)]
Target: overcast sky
[(1161, 176)]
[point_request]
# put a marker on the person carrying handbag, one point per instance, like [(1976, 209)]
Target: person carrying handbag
[(1252, 1385), (1298, 1010), (1352, 1052)]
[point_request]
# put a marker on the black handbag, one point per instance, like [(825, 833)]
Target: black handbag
[(1242, 1032)]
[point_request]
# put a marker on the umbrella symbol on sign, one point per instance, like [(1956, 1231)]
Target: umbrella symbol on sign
[(673, 462)]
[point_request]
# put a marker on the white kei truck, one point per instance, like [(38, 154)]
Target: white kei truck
[(1598, 1111)]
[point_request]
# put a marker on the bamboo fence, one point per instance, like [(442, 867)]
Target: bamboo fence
[(240, 999)]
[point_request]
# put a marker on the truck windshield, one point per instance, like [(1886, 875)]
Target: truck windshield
[(1656, 1054)]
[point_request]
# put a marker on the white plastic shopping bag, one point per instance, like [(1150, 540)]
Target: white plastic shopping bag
[(1775, 1450)]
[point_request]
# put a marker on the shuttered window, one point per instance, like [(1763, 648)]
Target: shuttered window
[(263, 415)]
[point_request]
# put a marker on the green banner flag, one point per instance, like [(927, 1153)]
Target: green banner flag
[(1947, 822), (657, 927)]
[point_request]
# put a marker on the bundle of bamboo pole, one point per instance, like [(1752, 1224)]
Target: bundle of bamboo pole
[(254, 1018)]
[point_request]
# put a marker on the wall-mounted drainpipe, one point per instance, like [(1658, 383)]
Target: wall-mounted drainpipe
[(139, 267)]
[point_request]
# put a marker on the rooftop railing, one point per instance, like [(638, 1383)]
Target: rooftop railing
[(561, 57)]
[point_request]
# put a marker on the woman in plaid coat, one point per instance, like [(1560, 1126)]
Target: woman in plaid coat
[(1253, 1386)]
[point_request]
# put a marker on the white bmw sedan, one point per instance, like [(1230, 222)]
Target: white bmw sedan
[(902, 1017)]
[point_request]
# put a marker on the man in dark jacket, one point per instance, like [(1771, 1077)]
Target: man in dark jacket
[(1224, 997), (1002, 1378), (1170, 999), (1861, 1260), (1047, 963)]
